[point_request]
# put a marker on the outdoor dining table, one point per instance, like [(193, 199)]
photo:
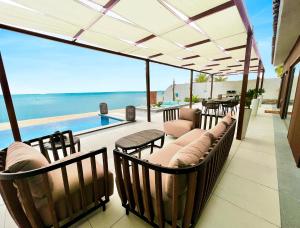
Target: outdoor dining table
[(220, 101)]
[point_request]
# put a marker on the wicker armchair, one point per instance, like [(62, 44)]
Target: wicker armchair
[(180, 121), (72, 185)]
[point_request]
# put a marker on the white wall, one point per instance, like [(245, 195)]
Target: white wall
[(202, 90)]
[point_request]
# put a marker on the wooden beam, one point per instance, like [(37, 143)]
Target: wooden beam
[(244, 86), (211, 85), (262, 79), (82, 45), (191, 88), (212, 10), (9, 103), (148, 90), (258, 74)]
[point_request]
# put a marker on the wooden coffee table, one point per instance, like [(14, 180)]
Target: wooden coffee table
[(141, 140)]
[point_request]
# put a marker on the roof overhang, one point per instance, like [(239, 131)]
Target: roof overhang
[(207, 37), (287, 20)]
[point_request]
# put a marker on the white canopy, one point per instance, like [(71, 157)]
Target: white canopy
[(202, 35)]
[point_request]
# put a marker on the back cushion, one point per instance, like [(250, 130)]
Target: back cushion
[(186, 156), (227, 119), (187, 114), (217, 130), (21, 157)]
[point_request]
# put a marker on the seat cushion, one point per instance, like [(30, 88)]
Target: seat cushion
[(177, 128), (22, 157), (59, 195), (187, 113), (189, 137)]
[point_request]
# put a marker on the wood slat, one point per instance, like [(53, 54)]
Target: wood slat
[(43, 150), (137, 188), (96, 192), (159, 199), (105, 168), (72, 146), (147, 199), (63, 145), (28, 204), (127, 182), (119, 179), (82, 185), (50, 201), (67, 190), (54, 150), (174, 201), (190, 201)]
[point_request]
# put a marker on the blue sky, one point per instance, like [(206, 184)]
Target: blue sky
[(36, 65)]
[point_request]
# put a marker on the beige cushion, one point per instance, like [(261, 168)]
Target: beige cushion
[(58, 193), (177, 128), (227, 119), (22, 157), (218, 130), (189, 137), (191, 154), (187, 114), (163, 157)]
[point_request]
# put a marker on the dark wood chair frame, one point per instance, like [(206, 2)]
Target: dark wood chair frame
[(173, 114), (201, 179), (32, 218)]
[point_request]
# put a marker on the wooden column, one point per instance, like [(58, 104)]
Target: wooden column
[(148, 91), (280, 91), (244, 85), (191, 89), (262, 79), (211, 84), (258, 74), (8, 103)]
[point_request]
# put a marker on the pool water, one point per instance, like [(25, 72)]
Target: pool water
[(76, 125)]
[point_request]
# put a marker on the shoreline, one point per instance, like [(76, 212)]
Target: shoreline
[(30, 122)]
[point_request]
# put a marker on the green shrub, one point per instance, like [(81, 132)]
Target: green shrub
[(195, 99)]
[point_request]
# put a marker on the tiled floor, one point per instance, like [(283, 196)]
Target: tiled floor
[(246, 194)]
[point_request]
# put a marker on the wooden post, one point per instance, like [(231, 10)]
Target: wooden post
[(244, 86), (191, 89), (280, 92), (8, 103), (262, 79), (211, 84), (148, 91), (258, 75)]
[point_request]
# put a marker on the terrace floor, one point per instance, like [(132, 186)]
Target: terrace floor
[(246, 194)]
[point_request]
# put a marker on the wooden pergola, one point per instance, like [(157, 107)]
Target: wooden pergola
[(214, 37)]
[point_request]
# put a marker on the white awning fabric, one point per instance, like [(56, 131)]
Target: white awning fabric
[(204, 35)]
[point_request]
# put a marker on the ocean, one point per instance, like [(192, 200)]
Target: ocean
[(32, 106)]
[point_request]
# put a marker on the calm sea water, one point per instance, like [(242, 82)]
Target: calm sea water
[(31, 106)]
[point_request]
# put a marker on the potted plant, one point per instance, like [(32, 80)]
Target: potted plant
[(254, 102), (261, 91), (247, 114)]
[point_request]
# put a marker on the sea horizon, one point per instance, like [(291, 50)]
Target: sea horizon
[(34, 106)]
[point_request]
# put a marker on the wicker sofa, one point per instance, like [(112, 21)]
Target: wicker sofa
[(162, 189), (43, 188)]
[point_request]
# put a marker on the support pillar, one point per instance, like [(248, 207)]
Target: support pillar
[(244, 86), (191, 89), (148, 91), (258, 75), (8, 103), (262, 79), (211, 85)]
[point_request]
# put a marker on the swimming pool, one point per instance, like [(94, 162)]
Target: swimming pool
[(76, 125)]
